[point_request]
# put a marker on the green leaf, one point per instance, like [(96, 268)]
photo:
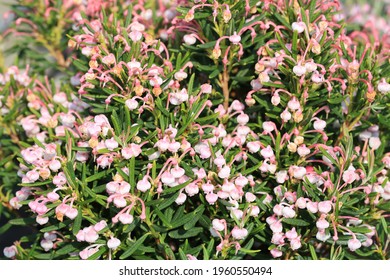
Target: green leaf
[(296, 222), (77, 222), (134, 246), (214, 74), (21, 221), (196, 216), (313, 252), (166, 202), (182, 233), (162, 217), (67, 249), (99, 175), (98, 254), (57, 226), (183, 220)]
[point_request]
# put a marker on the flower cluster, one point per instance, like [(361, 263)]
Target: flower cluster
[(262, 137)]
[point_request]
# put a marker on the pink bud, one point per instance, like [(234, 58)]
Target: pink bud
[(276, 253), (218, 225), (180, 75), (15, 203), (167, 178), (100, 225), (143, 185), (219, 161), (276, 227), (285, 115), (310, 66), (189, 39), (271, 219), (228, 186), (250, 197), (126, 218), (288, 212), (267, 152), (112, 187), (242, 119), (368, 242), (55, 165), (325, 206), (181, 199), (312, 207), (278, 209), (299, 70), (192, 189), (131, 104), (384, 87), (254, 210), (113, 243), (241, 181), (135, 36), (32, 175), (299, 172), (275, 100), (46, 244), (298, 26), (301, 203), (277, 238), (120, 202), (293, 104), (292, 234), (254, 146), (177, 171), (322, 235), (295, 243), (71, 213), (319, 125), (268, 126), (109, 59), (322, 223), (91, 235), (42, 220), (239, 233), (349, 176), (206, 88), (50, 236), (41, 209), (303, 150), (235, 39), (10, 252), (86, 253), (374, 143), (354, 244), (208, 187), (211, 198), (224, 172), (111, 144)]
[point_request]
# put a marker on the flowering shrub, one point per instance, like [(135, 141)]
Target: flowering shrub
[(199, 130)]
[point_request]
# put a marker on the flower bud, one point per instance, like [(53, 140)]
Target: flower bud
[(47, 244), (239, 233), (132, 104), (189, 39), (354, 244), (143, 185), (211, 198), (298, 26), (126, 218), (10, 252), (181, 199), (113, 243)]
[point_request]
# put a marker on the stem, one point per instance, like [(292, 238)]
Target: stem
[(225, 89)]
